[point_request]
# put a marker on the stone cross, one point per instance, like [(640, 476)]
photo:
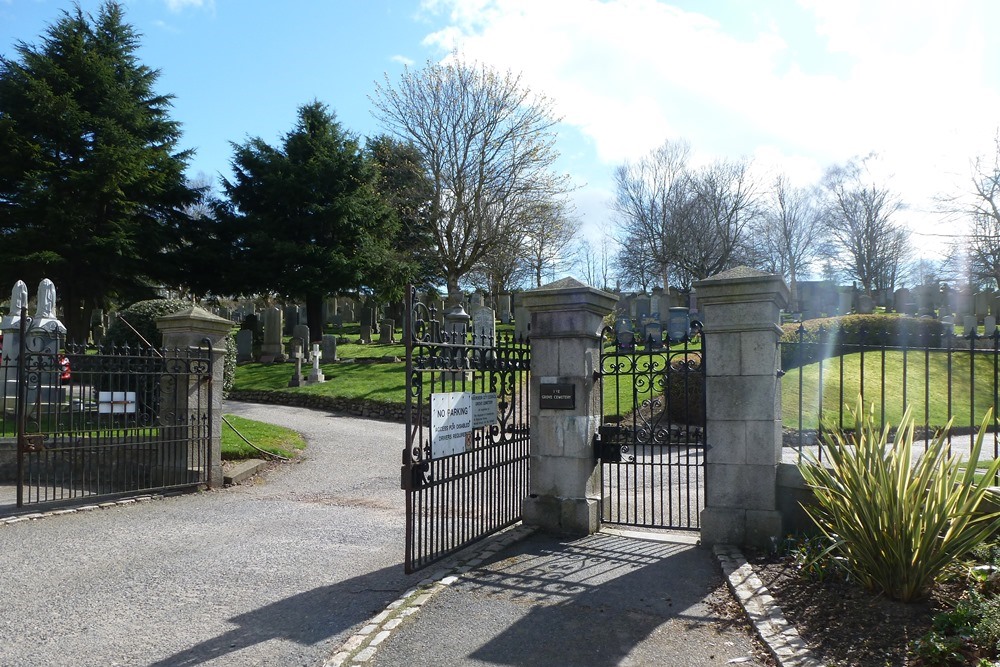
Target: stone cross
[(297, 380), (316, 375)]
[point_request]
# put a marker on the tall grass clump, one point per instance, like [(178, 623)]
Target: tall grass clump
[(895, 524)]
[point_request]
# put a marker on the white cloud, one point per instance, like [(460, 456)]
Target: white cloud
[(402, 60), (180, 5), (906, 78)]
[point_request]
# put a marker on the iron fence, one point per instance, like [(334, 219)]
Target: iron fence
[(83, 423), (948, 383)]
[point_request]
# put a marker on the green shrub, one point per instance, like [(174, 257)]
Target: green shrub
[(898, 525), (829, 336), (142, 316)]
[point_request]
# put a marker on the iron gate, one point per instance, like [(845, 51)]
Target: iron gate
[(651, 442), (114, 421), (465, 466)]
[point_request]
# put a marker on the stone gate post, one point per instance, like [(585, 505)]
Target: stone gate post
[(185, 330), (564, 487), (742, 405)]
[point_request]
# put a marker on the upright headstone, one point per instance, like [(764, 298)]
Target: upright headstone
[(504, 308), (270, 350), (386, 330), (244, 345), (301, 332), (476, 300), (10, 325), (900, 298), (969, 324), (844, 302), (989, 326), (329, 347), (290, 319), (642, 307), (484, 326), (522, 322), (866, 305)]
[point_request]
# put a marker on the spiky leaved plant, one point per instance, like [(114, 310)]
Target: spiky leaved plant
[(898, 524)]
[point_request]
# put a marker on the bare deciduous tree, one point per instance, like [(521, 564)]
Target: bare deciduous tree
[(650, 196), (982, 208), (860, 218), (790, 233), (549, 231), (488, 147)]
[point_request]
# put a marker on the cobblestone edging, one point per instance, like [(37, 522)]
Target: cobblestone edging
[(393, 412), (360, 647), (769, 622), (21, 518)]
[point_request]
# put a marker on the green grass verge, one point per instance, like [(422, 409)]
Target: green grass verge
[(926, 384), (377, 382), (275, 439)]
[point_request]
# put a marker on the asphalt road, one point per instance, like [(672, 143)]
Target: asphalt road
[(279, 572)]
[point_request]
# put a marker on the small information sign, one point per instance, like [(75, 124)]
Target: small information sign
[(484, 409), (557, 396), (115, 402)]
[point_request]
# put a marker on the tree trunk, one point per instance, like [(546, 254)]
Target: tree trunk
[(314, 317)]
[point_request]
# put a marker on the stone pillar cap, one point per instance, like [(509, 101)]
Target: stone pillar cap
[(194, 317), (569, 294), (741, 282)]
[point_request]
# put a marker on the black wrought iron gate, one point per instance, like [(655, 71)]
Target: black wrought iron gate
[(465, 465), (651, 442)]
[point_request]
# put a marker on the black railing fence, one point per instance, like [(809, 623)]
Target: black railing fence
[(947, 381), (83, 422)]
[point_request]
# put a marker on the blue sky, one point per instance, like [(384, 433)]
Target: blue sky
[(794, 84)]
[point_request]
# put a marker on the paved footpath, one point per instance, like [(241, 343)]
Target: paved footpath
[(278, 573)]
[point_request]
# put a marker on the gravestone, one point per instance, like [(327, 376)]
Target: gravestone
[(476, 300), (484, 326), (244, 345), (970, 324), (655, 302), (301, 332), (252, 323), (844, 302), (316, 374), (982, 301), (347, 312), (504, 308), (297, 380), (625, 334), (522, 322), (900, 298), (926, 295), (337, 321), (989, 326), (270, 350), (290, 319), (641, 307), (10, 325), (329, 347), (653, 335), (387, 329), (678, 324), (866, 305)]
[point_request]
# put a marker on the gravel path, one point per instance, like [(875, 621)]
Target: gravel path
[(278, 572)]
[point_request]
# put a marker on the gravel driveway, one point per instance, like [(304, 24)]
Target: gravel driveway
[(274, 573)]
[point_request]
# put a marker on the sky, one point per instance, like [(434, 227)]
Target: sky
[(794, 85)]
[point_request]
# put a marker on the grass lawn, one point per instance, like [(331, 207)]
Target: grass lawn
[(379, 382), (926, 383), (275, 439)]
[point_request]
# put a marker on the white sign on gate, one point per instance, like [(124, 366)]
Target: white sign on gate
[(451, 423), (484, 409)]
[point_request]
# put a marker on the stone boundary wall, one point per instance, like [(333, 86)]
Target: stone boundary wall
[(358, 407)]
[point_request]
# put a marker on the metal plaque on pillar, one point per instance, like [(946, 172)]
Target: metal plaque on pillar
[(557, 396)]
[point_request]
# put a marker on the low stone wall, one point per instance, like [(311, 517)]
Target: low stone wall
[(393, 412)]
